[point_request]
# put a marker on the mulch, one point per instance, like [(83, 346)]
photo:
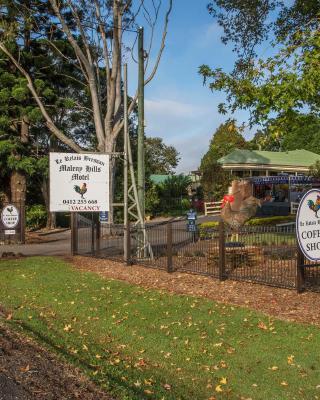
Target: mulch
[(280, 303), (29, 372)]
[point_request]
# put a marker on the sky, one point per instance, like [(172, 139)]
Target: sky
[(178, 108)]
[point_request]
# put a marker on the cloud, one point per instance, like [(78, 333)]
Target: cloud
[(188, 127)]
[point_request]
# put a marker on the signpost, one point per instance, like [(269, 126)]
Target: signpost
[(192, 223), (104, 217), (308, 233), (79, 182), (308, 225), (10, 217)]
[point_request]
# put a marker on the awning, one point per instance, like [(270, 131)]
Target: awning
[(283, 179)]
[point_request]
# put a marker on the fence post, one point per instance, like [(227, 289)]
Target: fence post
[(92, 235), (300, 270), (98, 235), (169, 247), (127, 243), (222, 252), (22, 223), (74, 233)]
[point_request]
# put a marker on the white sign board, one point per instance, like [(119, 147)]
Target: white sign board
[(9, 232), (10, 216), (308, 225), (79, 182)]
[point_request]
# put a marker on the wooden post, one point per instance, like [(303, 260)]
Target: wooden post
[(92, 235), (222, 252), (22, 223), (169, 248), (98, 235), (300, 270), (74, 233)]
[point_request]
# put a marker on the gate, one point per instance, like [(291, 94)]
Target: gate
[(10, 234)]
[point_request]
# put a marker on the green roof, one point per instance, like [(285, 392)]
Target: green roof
[(158, 179), (301, 158)]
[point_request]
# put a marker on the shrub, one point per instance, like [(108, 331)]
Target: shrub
[(36, 216)]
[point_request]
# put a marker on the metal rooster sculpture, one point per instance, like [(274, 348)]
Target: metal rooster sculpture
[(239, 206)]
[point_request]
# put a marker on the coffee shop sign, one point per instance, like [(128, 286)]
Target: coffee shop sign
[(308, 225)]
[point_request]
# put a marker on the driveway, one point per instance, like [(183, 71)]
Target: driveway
[(59, 245)]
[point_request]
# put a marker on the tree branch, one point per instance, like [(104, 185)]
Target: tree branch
[(50, 124)]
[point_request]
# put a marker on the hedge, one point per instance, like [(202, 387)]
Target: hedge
[(253, 222)]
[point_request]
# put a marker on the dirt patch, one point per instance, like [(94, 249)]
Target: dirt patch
[(281, 303), (29, 372)]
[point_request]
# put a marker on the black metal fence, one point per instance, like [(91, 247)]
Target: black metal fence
[(262, 254)]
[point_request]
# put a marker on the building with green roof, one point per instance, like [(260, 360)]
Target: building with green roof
[(244, 163)]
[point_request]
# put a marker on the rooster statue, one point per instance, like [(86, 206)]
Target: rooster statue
[(240, 206), (81, 190), (314, 206)]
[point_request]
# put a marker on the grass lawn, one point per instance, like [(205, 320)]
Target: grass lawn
[(147, 344)]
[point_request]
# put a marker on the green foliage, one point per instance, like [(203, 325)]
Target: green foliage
[(265, 221), (36, 216), (315, 170), (174, 186), (152, 201), (160, 158), (270, 220), (275, 90), (169, 197), (214, 179)]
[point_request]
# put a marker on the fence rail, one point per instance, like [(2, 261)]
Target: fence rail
[(294, 207), (262, 254), (212, 208)]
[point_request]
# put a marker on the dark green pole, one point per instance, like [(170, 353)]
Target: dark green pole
[(141, 169)]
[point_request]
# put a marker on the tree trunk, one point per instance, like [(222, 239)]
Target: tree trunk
[(18, 181), (18, 185)]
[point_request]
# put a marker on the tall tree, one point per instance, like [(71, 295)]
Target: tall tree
[(160, 158), (95, 32), (214, 179), (278, 87), (24, 138)]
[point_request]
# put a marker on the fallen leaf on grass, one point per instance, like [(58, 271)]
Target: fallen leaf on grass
[(284, 383), (223, 381), (218, 389), (262, 325), (67, 327), (290, 359), (167, 386), (273, 368)]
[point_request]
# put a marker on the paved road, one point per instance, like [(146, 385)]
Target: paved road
[(58, 246)]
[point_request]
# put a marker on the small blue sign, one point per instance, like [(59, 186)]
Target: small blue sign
[(103, 216), (191, 228), (191, 215)]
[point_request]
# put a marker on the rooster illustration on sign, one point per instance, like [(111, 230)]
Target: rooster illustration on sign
[(81, 190), (314, 206), (10, 209)]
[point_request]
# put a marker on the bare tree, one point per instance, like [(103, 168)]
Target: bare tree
[(95, 32)]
